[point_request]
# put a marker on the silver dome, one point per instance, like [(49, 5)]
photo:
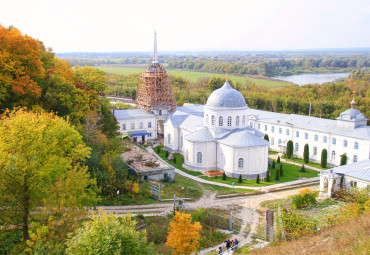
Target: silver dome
[(351, 114), (226, 97)]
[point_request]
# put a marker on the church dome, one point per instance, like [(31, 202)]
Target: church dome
[(226, 97), (352, 113)]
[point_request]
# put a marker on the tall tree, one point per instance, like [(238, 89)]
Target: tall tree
[(183, 235), (324, 158), (289, 149), (343, 160), (306, 153), (39, 163)]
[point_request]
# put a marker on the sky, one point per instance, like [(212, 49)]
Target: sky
[(190, 25)]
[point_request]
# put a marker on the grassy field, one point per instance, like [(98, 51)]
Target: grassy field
[(194, 76), (313, 164)]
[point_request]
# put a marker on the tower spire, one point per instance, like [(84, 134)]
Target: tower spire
[(155, 57)]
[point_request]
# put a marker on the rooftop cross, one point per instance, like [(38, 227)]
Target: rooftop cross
[(227, 69)]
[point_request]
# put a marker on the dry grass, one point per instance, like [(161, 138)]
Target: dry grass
[(352, 237)]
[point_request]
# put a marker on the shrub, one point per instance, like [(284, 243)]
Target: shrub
[(302, 169), (281, 170), (240, 179), (174, 159), (277, 175), (289, 149), (343, 160), (167, 154), (158, 149), (268, 176), (304, 199), (224, 176), (278, 160), (324, 158), (151, 163), (306, 154), (295, 226), (273, 164), (258, 179), (266, 137)]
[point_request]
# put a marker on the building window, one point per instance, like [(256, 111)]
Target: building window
[(145, 177), (356, 145), (333, 155), (160, 112), (354, 158), (141, 125), (237, 121), (149, 124), (287, 132), (345, 143), (123, 126), (296, 147), (229, 121), (240, 163), (315, 151), (243, 120), (280, 130), (169, 138), (272, 141), (305, 135), (150, 134), (259, 126), (132, 125), (207, 119), (325, 139), (165, 175), (199, 158), (316, 138), (213, 120), (272, 129), (279, 142), (353, 184), (220, 121), (297, 134), (265, 127), (334, 141)]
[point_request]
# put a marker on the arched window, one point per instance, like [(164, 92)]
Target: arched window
[(213, 120), (240, 163), (354, 158), (280, 130), (199, 158), (287, 132), (333, 155), (272, 141), (265, 127), (305, 135), (316, 137), (237, 121), (160, 112), (259, 126), (356, 145), (315, 151), (272, 129), (169, 138), (207, 117), (297, 134), (334, 141), (220, 121), (229, 121), (345, 143), (279, 142), (296, 147), (325, 139), (243, 120)]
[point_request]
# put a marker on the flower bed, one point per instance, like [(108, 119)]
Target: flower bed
[(211, 173)]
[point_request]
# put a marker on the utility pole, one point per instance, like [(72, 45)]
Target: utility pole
[(309, 114), (321, 109)]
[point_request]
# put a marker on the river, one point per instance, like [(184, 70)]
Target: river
[(317, 78)]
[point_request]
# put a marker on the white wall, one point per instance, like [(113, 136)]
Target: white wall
[(208, 150), (137, 121)]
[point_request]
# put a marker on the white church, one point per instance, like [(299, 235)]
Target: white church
[(227, 135)]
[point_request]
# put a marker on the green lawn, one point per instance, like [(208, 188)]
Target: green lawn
[(194, 76), (313, 164), (273, 152), (290, 173)]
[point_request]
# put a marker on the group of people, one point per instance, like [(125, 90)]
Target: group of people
[(230, 245)]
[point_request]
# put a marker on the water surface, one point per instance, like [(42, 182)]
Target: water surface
[(317, 78)]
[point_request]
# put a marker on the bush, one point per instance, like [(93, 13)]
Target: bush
[(289, 149), (268, 176), (277, 175), (302, 169), (240, 179), (304, 199), (343, 160), (174, 159), (273, 164), (224, 176), (324, 158), (158, 149), (281, 170), (295, 226), (266, 137), (306, 154), (167, 154), (258, 179), (278, 160)]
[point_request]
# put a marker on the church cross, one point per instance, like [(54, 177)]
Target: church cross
[(227, 69)]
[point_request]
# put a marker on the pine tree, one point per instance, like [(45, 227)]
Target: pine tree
[(166, 154), (268, 176), (273, 164), (258, 179), (324, 158), (224, 176), (303, 169), (158, 149), (174, 159), (240, 179), (266, 137), (306, 153), (343, 160), (289, 149), (277, 175), (281, 170), (278, 160)]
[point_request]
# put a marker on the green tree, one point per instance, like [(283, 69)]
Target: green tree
[(281, 170), (324, 158), (277, 175), (258, 179), (224, 176), (343, 160), (303, 169), (278, 159), (216, 83), (273, 164), (158, 149), (174, 159), (306, 153), (108, 234), (266, 137), (39, 165), (93, 79), (240, 179), (167, 154), (289, 149), (268, 176)]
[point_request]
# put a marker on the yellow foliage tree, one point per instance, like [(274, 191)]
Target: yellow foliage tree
[(183, 236)]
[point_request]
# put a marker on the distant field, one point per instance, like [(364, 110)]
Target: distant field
[(194, 76)]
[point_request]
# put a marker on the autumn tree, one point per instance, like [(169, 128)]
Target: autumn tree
[(183, 235), (40, 157), (108, 234)]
